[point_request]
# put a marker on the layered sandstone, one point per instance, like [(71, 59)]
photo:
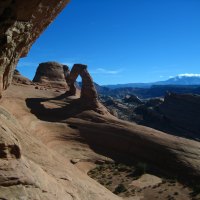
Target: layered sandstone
[(21, 24)]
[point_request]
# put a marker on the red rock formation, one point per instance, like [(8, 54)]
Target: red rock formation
[(51, 74), (88, 91), (89, 96), (21, 24)]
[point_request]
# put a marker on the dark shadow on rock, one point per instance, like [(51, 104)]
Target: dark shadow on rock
[(61, 110)]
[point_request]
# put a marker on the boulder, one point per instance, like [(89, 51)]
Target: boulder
[(132, 99), (146, 180)]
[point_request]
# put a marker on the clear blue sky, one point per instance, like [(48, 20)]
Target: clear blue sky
[(123, 41)]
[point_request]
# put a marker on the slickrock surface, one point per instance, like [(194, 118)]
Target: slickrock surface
[(35, 154), (175, 154), (47, 131), (21, 24), (51, 74)]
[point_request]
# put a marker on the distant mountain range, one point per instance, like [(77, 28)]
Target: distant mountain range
[(184, 79)]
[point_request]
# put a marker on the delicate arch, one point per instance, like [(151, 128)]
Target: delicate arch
[(88, 91)]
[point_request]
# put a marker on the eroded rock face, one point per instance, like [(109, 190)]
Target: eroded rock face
[(21, 23), (51, 74)]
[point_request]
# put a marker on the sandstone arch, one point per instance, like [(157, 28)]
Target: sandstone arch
[(88, 91)]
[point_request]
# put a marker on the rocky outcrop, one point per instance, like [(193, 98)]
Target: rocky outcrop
[(132, 99), (88, 91), (21, 23), (19, 79), (51, 74)]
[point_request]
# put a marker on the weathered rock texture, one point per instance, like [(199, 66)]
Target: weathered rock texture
[(51, 74), (19, 79), (31, 170), (21, 22), (38, 143)]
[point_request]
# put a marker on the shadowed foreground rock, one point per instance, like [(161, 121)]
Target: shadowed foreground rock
[(34, 163), (176, 155)]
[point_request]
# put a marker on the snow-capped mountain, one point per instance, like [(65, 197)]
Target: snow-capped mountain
[(182, 79)]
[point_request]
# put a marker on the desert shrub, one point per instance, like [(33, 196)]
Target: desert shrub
[(196, 190), (109, 183), (141, 168), (103, 176), (120, 188), (116, 173)]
